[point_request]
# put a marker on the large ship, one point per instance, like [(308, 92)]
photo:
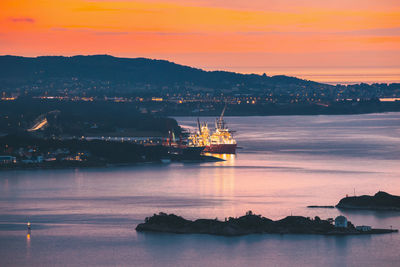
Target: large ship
[(182, 148), (220, 141)]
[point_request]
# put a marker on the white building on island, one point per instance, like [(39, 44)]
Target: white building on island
[(341, 222), (363, 228)]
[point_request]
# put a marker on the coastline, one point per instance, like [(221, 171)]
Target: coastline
[(113, 201), (283, 115), (251, 224), (350, 207), (85, 165), (382, 201)]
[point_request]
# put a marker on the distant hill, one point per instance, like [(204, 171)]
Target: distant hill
[(130, 75), (94, 118)]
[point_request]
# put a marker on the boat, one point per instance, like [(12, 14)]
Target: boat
[(221, 141), (181, 147)]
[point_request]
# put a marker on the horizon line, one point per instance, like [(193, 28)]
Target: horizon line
[(228, 69)]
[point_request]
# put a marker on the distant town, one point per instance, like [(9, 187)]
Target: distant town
[(58, 111), (168, 89), (239, 104)]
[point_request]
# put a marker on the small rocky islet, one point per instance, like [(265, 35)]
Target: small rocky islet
[(253, 224), (380, 201)]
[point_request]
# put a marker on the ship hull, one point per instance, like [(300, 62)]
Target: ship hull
[(221, 148), (193, 151), (186, 151)]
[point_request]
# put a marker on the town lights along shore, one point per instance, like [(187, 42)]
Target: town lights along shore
[(220, 141)]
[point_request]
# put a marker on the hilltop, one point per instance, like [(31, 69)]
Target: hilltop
[(128, 75), (379, 201), (169, 89)]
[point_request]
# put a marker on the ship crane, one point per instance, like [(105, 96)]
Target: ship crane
[(220, 141), (220, 123), (198, 125)]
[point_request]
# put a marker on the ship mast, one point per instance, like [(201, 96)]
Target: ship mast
[(198, 125), (219, 124)]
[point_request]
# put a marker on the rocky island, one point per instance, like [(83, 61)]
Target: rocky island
[(380, 201), (254, 224)]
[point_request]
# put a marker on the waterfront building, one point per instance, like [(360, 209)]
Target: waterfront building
[(7, 159), (341, 222), (363, 228)]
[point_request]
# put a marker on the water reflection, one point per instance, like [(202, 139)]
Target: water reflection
[(282, 170), (28, 244), (375, 213), (78, 179), (224, 178), (229, 159), (5, 185)]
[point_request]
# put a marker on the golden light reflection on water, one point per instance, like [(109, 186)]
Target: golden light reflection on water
[(224, 178), (28, 244), (220, 182), (229, 159)]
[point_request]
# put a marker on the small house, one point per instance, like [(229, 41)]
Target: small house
[(7, 159), (341, 222), (363, 228)]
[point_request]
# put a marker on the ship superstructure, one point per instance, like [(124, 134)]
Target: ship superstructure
[(220, 141), (181, 147)]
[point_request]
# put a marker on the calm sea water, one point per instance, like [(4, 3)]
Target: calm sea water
[(331, 75), (83, 217)]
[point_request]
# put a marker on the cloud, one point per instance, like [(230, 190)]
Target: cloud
[(23, 19), (95, 8), (99, 32), (361, 32), (375, 32), (273, 5), (59, 29), (109, 33), (172, 33), (88, 30)]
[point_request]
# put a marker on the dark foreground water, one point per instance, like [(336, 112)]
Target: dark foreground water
[(87, 217)]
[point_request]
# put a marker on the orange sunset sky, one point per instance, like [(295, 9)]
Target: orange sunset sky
[(332, 41)]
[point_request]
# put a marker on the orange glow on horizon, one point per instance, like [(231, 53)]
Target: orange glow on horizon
[(208, 33)]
